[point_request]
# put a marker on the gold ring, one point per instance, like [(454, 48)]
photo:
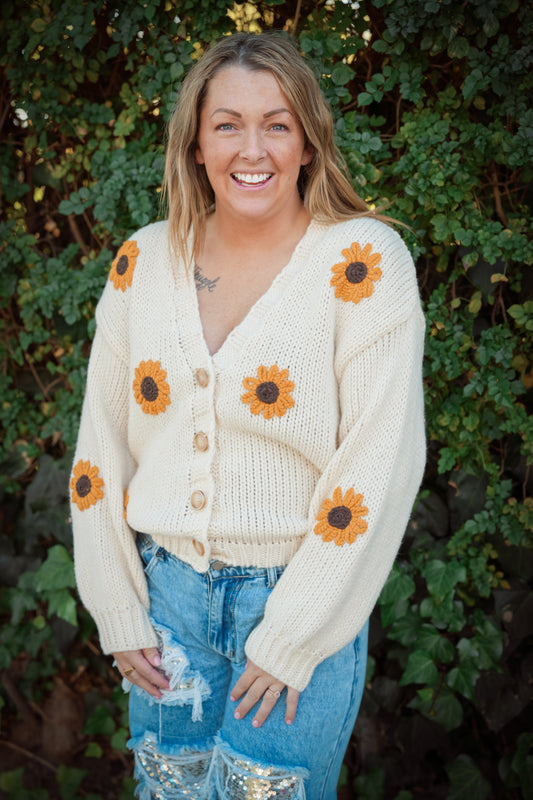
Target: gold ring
[(128, 671), (275, 692)]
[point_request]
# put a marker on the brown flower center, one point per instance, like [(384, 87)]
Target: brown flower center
[(122, 265), (356, 272), (267, 392), (83, 485), (340, 517), (149, 389)]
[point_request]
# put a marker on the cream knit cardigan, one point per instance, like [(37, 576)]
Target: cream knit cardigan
[(299, 442)]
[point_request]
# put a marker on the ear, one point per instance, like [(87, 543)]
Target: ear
[(307, 155), (198, 156)]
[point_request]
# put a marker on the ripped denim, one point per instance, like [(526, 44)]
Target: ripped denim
[(188, 744)]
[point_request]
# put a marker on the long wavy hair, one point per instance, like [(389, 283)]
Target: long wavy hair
[(323, 185)]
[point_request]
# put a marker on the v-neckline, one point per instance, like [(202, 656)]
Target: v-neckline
[(251, 321)]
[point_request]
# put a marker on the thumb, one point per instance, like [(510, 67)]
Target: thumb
[(152, 655)]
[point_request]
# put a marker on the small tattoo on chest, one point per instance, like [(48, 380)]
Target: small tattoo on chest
[(203, 282)]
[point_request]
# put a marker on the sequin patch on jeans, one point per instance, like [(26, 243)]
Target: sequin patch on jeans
[(186, 687), (239, 779), (165, 777)]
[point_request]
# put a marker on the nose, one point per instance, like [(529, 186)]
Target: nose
[(253, 148)]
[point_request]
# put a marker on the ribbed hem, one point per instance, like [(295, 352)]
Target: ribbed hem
[(292, 666), (124, 629), (241, 554)]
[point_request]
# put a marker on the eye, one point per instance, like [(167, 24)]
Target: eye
[(225, 126), (279, 126)]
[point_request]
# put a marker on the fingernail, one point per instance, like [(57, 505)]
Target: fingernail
[(157, 661), (255, 723), (237, 715), (288, 721), (232, 698)]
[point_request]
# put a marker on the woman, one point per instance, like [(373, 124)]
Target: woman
[(254, 412)]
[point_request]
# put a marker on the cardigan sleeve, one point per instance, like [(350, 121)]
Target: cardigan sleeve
[(109, 572), (360, 508)]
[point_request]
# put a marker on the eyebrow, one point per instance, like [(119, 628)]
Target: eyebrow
[(237, 114)]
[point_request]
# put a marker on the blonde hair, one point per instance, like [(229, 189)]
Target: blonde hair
[(326, 191)]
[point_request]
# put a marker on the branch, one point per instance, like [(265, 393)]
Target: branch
[(29, 754), (77, 234), (296, 17), (498, 198)]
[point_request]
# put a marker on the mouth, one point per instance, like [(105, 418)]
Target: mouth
[(251, 179)]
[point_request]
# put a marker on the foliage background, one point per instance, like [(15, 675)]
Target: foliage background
[(431, 106)]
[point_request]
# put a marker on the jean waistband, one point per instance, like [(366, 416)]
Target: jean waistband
[(216, 568)]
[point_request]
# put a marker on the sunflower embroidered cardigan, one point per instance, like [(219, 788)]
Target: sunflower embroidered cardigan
[(300, 442)]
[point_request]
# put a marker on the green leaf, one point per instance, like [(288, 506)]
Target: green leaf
[(459, 47), (100, 722), (38, 25), (435, 644), (93, 750), (63, 604), (364, 99), (119, 739), (399, 586), (57, 572), (341, 74), (420, 669), (448, 710), (69, 780), (441, 578), (466, 781), (463, 678), (522, 764), (370, 785)]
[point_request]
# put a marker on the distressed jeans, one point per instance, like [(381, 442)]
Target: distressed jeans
[(188, 744)]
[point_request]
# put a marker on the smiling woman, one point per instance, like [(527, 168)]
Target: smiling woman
[(234, 584), (252, 152)]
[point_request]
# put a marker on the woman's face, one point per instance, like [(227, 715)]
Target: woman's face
[(252, 146)]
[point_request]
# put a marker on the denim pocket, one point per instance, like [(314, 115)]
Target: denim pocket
[(148, 551)]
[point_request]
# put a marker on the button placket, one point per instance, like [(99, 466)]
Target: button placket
[(201, 477)]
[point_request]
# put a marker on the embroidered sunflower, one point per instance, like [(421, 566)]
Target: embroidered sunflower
[(150, 388), (126, 501), (269, 393), (85, 485), (339, 519), (354, 278), (122, 267)]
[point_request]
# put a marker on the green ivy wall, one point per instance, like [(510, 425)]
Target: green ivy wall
[(432, 110)]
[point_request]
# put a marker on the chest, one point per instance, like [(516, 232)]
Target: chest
[(226, 296)]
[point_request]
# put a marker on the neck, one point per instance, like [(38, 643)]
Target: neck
[(254, 235)]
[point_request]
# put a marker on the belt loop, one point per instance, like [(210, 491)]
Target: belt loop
[(272, 577)]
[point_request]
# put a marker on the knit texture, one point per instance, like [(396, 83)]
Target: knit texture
[(299, 442)]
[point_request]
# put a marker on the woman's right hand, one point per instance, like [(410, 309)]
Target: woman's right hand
[(141, 668)]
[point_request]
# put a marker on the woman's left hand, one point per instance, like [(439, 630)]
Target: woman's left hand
[(255, 684)]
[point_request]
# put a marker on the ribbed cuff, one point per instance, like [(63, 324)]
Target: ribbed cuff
[(292, 666), (124, 629)]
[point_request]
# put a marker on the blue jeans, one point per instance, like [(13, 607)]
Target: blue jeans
[(188, 744)]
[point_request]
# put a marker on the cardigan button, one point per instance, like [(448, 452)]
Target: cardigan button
[(201, 441), (198, 546), (202, 377), (198, 499)]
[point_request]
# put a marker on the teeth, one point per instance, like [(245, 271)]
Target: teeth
[(243, 177)]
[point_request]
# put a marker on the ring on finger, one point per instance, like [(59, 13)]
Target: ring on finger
[(128, 672), (274, 691)]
